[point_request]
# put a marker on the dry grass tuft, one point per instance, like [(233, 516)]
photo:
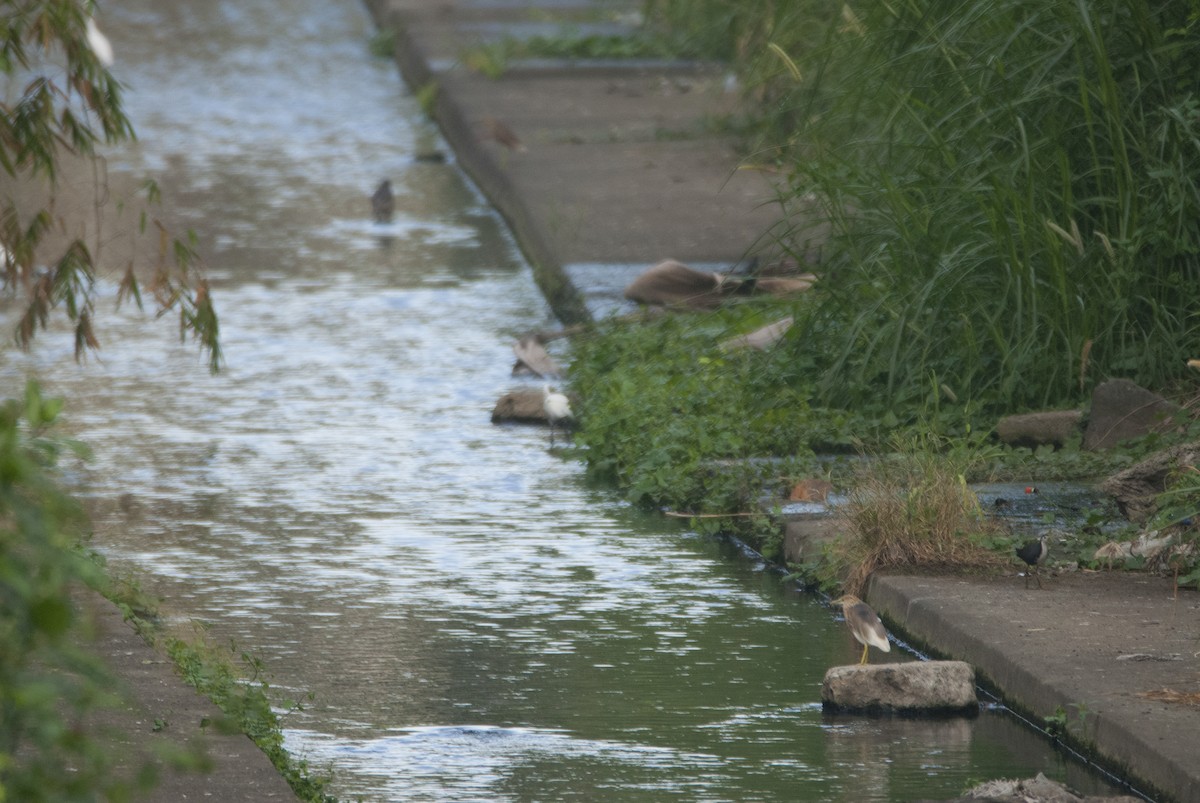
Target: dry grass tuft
[(915, 510), (1172, 696)]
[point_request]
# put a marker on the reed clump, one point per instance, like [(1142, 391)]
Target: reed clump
[(914, 510)]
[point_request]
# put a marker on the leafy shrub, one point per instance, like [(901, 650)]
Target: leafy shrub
[(47, 683), (665, 410)]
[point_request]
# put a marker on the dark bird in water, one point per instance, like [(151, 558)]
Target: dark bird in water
[(1033, 553), (383, 203)]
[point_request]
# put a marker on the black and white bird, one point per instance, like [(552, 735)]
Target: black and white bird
[(383, 203), (1033, 553), (557, 408)]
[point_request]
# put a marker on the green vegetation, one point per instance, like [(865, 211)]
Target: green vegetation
[(493, 59), (1013, 187), (53, 123), (1014, 194), (48, 685), (247, 705), (664, 405)]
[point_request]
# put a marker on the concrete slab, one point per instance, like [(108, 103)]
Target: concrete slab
[(157, 709), (1090, 644)]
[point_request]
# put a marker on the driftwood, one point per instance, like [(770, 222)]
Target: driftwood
[(1136, 488), (761, 339), (673, 284), (532, 356), (785, 286)]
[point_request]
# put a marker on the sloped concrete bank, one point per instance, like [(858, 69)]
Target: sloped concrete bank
[(1097, 648), (601, 168)]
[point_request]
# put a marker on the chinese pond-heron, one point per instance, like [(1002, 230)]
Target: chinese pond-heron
[(864, 624)]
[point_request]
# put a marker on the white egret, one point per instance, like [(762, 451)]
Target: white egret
[(557, 408), (99, 44)]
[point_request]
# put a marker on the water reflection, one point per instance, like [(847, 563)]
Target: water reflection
[(475, 622)]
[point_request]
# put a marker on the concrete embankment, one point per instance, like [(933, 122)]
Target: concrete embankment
[(601, 167), (604, 168), (1104, 650)]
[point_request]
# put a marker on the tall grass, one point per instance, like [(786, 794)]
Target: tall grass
[(1015, 187)]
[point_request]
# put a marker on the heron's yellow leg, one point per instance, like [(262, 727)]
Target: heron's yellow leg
[(863, 660)]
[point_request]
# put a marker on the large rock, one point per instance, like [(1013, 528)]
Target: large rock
[(1123, 410), (1033, 790), (1032, 430), (523, 407), (806, 536), (917, 688), (1135, 489)]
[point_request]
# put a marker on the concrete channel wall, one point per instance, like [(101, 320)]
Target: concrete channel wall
[(615, 164)]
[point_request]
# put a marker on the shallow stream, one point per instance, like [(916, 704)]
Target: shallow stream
[(472, 620)]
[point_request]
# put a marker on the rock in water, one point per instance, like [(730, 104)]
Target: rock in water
[(912, 689)]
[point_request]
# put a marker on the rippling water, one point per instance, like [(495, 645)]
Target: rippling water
[(473, 620)]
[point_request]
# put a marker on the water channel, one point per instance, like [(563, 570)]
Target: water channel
[(473, 621)]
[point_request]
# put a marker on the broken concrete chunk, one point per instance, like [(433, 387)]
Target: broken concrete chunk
[(522, 406), (1123, 410), (531, 355), (912, 689), (1031, 430)]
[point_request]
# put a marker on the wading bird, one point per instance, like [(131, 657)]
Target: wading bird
[(500, 132), (383, 203), (1033, 553), (864, 624), (557, 408), (99, 44)]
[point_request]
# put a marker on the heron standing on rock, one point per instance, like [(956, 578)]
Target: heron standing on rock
[(1033, 553), (864, 624), (557, 408)]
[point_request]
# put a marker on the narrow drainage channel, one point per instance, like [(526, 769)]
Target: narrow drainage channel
[(473, 620)]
